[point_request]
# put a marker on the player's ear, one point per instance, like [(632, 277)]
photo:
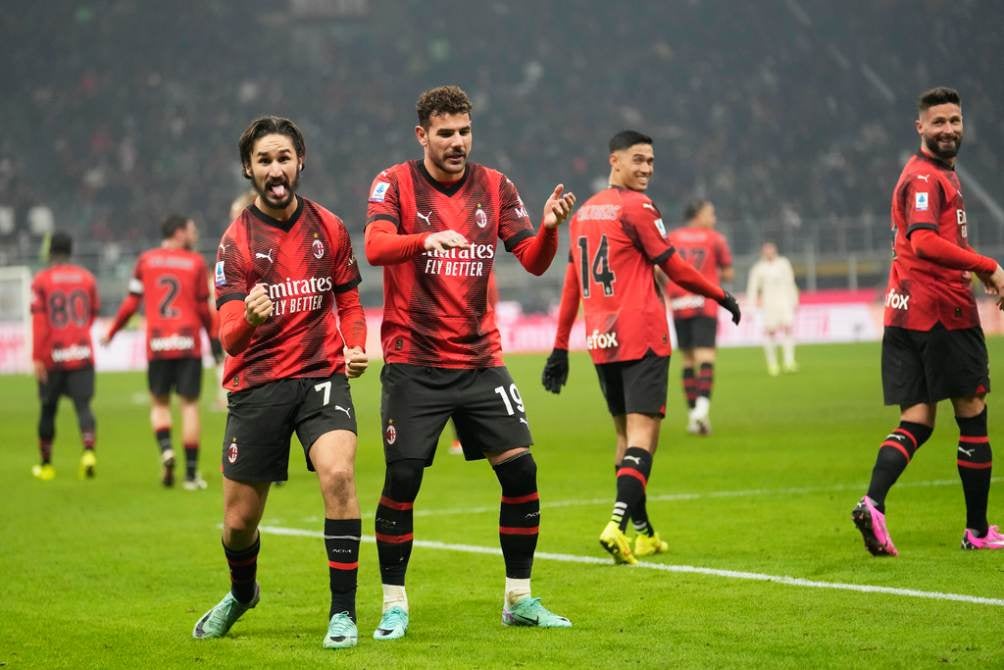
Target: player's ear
[(421, 135), (247, 171)]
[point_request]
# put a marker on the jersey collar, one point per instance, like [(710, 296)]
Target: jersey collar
[(445, 189), (937, 161), (276, 223)]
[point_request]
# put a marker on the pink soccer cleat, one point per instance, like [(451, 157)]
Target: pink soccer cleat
[(993, 539), (871, 523)]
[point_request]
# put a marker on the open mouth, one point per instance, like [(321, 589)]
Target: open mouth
[(277, 191)]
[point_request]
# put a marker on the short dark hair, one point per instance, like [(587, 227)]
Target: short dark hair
[(173, 224), (60, 244), (939, 95), (626, 139), (269, 125), (441, 100), (694, 208)]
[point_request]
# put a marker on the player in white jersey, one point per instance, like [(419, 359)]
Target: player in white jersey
[(772, 289)]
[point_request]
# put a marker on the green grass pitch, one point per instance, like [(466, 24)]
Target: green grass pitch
[(114, 572)]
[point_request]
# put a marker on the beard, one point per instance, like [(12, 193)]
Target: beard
[(451, 168), (944, 153), (264, 189)]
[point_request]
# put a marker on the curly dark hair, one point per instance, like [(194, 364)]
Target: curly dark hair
[(441, 100)]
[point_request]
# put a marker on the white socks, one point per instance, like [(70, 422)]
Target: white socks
[(515, 590)]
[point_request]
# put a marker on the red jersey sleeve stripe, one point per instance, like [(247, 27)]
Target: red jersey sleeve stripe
[(342, 288), (920, 226), (664, 256), (382, 217), (513, 240), (224, 299)]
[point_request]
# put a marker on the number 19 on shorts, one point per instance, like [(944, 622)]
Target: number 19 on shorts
[(516, 399)]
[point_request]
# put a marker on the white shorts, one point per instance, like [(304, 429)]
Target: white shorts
[(777, 317)]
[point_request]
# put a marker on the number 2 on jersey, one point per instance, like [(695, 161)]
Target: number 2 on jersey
[(599, 270), (166, 309)]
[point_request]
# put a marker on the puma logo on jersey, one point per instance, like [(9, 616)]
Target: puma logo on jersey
[(343, 409), (924, 177), (267, 256), (425, 217), (523, 421), (897, 300), (636, 459), (968, 452)]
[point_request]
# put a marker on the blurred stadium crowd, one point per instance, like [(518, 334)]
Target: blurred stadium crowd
[(792, 116)]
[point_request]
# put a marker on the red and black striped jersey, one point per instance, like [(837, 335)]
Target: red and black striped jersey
[(708, 251), (615, 240), (436, 307), (173, 285), (64, 303), (922, 292), (303, 263)]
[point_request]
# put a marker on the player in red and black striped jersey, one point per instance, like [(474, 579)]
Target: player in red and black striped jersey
[(933, 347), (172, 283), (616, 239), (434, 224), (695, 318), (294, 331), (64, 303)]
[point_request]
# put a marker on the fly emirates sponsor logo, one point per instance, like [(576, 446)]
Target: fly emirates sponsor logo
[(466, 261), (299, 295)]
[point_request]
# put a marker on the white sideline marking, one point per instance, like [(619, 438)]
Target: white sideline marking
[(686, 569)]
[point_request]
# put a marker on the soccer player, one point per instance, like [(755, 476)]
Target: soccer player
[(173, 283), (933, 346), (771, 288), (434, 223), (64, 303), (693, 315), (616, 238), (284, 267)]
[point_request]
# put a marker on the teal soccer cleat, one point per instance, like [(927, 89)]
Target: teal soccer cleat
[(393, 624), (529, 612), (342, 632), (217, 621)]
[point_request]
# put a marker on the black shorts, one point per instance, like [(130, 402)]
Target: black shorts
[(78, 385), (261, 420), (928, 366), (183, 375), (695, 332), (635, 387), (417, 401)]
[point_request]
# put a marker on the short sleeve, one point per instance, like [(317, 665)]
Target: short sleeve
[(642, 222), (230, 272), (722, 252), (922, 201), (383, 203), (136, 281), (514, 220)]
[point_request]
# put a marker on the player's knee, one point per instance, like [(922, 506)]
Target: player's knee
[(337, 479), (239, 522), (517, 473), (85, 417), (403, 479)]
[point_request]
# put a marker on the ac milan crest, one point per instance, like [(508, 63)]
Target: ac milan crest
[(232, 452), (390, 435), (480, 217), (318, 248)]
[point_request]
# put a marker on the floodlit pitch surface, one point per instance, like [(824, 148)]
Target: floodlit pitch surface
[(765, 568)]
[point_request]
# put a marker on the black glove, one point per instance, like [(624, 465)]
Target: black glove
[(217, 348), (728, 301), (555, 371)]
